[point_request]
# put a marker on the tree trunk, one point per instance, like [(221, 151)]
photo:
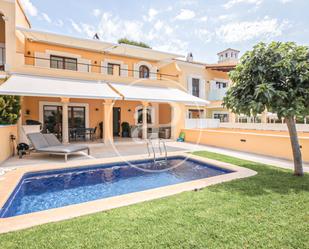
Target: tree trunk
[(298, 165)]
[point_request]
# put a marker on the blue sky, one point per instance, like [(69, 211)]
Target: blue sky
[(203, 27)]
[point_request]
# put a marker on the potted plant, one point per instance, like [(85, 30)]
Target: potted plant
[(125, 127)]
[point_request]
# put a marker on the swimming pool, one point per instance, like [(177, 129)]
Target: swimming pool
[(45, 190)]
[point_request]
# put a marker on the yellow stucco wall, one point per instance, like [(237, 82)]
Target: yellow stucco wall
[(30, 110), (6, 145), (95, 57), (269, 144), (165, 113)]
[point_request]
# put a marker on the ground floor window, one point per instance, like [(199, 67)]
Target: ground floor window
[(223, 117), (195, 114), (52, 118), (150, 115)]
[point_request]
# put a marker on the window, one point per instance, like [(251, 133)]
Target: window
[(77, 117), (113, 69), (196, 114), (140, 116), (195, 87), (143, 72), (220, 85), (63, 62), (223, 117)]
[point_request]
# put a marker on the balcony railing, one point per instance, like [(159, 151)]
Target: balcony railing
[(2, 59), (74, 66), (217, 94)]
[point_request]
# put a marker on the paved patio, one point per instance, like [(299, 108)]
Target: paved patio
[(131, 147)]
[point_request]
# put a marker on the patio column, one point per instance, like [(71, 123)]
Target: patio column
[(178, 118), (65, 120), (145, 105), (108, 122)]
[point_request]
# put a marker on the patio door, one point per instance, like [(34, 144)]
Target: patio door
[(116, 121), (52, 118)]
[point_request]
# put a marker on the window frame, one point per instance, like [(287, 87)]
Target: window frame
[(64, 63), (111, 65), (198, 82), (141, 75)]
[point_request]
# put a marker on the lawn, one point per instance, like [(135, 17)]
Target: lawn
[(269, 210)]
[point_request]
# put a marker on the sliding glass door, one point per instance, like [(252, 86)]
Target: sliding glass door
[(52, 115)]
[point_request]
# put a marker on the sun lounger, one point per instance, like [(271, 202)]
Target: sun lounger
[(49, 144)]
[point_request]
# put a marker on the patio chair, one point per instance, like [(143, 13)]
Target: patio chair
[(49, 144)]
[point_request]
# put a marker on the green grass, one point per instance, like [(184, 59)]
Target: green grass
[(269, 210)]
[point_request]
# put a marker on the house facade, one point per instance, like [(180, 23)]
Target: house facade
[(67, 83)]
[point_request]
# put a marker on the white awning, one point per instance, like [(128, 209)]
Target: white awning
[(26, 85), (157, 94)]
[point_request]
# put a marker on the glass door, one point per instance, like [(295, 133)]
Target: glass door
[(52, 116), (77, 117)]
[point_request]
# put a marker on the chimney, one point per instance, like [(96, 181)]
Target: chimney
[(190, 57)]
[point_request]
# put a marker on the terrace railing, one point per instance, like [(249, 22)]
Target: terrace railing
[(2, 59), (87, 67)]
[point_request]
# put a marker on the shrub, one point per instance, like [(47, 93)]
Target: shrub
[(9, 109)]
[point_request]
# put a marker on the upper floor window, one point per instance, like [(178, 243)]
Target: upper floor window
[(113, 69), (63, 62), (196, 87), (220, 85), (143, 72)]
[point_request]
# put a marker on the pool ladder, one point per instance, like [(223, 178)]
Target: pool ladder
[(150, 146)]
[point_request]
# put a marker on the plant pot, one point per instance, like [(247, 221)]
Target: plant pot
[(125, 134)]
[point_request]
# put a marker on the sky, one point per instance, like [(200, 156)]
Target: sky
[(203, 27)]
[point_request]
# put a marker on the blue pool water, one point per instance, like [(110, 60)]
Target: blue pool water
[(57, 188)]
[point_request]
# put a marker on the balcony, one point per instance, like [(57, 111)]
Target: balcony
[(71, 66), (217, 94), (2, 59)]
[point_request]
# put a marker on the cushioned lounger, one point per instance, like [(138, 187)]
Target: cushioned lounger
[(48, 143)]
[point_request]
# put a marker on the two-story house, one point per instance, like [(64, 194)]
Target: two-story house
[(66, 83)]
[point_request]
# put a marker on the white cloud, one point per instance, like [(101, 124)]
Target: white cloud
[(231, 3), (285, 1), (46, 17), (204, 34), (96, 12), (76, 26), (185, 14), (204, 19), (158, 25), (152, 13), (243, 31), (29, 7)]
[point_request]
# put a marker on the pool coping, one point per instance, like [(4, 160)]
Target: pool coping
[(11, 179)]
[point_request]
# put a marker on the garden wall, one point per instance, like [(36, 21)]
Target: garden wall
[(6, 147), (268, 144)]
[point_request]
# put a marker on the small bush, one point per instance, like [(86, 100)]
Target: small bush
[(9, 109)]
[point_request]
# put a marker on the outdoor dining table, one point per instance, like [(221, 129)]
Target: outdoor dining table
[(85, 133)]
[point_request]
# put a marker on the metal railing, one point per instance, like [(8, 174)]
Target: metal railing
[(89, 66), (150, 146), (2, 59)]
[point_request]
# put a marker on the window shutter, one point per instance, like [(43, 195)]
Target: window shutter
[(136, 71), (104, 67), (189, 85), (202, 89), (124, 70)]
